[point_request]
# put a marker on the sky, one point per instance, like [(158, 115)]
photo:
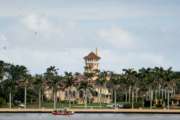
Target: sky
[(127, 33)]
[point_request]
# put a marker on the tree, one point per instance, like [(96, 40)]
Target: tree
[(2, 72), (101, 83), (52, 78), (24, 79), (158, 76), (10, 82), (68, 84), (39, 84), (169, 83), (132, 78), (12, 74), (113, 84), (2, 78), (86, 88), (143, 83)]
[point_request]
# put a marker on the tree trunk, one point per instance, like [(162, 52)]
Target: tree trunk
[(10, 100), (54, 100), (39, 97), (151, 98), (129, 94), (168, 99), (136, 95), (42, 98), (159, 91), (155, 95), (100, 98), (85, 105), (126, 96), (115, 99), (69, 98), (143, 101), (165, 94), (25, 96), (132, 100), (174, 91), (112, 95)]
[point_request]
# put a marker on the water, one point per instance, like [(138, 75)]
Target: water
[(44, 116)]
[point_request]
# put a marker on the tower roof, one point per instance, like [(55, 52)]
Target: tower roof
[(92, 55)]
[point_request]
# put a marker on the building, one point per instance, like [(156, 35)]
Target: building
[(91, 73), (92, 64), (91, 68)]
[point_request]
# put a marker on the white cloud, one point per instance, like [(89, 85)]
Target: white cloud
[(93, 11), (39, 23), (3, 42), (116, 62), (36, 23), (36, 31), (37, 61), (118, 37), (60, 27)]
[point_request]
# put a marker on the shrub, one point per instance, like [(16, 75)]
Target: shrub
[(127, 105), (159, 105), (138, 105), (2, 101)]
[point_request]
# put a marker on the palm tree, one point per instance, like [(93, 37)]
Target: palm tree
[(23, 80), (10, 81), (2, 72), (10, 86), (39, 84), (169, 83), (132, 78), (89, 76), (86, 88), (158, 73), (113, 85), (26, 79), (52, 78), (68, 84), (143, 73), (101, 83), (149, 80)]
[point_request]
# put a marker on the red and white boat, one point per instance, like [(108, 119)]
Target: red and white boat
[(62, 112)]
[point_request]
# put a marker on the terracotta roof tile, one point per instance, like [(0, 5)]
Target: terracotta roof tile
[(92, 55)]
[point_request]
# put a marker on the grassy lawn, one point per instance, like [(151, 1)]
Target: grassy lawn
[(66, 105), (59, 105), (50, 104)]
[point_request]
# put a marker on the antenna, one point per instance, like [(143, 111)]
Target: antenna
[(96, 51)]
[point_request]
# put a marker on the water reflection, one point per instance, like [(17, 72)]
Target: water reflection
[(36, 116)]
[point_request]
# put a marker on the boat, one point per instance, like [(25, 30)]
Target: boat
[(62, 112)]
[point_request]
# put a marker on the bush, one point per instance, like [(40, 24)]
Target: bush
[(138, 105), (159, 105), (2, 101), (127, 105)]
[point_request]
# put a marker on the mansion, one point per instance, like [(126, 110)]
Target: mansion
[(91, 71)]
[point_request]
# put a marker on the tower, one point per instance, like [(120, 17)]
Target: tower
[(92, 63)]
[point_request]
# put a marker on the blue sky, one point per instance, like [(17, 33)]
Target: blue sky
[(128, 33)]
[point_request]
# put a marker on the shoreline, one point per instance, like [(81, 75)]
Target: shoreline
[(136, 111)]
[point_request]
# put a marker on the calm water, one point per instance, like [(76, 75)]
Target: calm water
[(28, 116)]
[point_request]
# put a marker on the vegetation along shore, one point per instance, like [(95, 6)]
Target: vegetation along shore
[(154, 88)]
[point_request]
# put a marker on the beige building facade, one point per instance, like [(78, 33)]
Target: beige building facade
[(91, 67)]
